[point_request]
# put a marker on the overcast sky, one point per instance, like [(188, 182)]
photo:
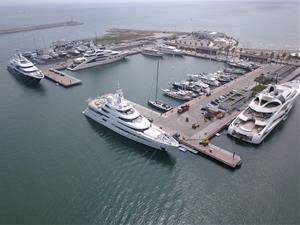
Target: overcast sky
[(102, 1)]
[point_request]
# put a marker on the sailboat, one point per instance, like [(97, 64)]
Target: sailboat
[(157, 103)]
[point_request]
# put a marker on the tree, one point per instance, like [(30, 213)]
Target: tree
[(260, 79)]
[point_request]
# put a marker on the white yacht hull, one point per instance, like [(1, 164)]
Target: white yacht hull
[(122, 130), (257, 138), (85, 65), (20, 74)]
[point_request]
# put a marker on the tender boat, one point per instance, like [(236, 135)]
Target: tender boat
[(206, 78), (160, 105)]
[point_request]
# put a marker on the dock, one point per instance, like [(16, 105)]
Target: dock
[(175, 123), (53, 72), (291, 76)]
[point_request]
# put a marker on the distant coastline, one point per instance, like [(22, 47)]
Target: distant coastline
[(40, 27)]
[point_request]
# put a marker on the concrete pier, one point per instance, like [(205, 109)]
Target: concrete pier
[(39, 27), (53, 73)]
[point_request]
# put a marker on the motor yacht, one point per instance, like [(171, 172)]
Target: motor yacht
[(265, 112), (152, 52), (22, 67), (118, 114)]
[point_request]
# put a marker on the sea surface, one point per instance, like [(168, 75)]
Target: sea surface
[(56, 166)]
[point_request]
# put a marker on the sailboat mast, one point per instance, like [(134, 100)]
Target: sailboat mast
[(157, 69)]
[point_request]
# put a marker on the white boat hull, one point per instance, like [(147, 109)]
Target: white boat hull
[(97, 63), (120, 129), (257, 138)]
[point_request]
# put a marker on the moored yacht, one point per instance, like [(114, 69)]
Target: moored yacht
[(206, 78), (264, 112), (183, 95), (152, 52), (116, 113), (22, 67), (171, 50), (96, 57)]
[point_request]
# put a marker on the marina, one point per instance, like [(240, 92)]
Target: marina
[(213, 99), (60, 166), (177, 124)]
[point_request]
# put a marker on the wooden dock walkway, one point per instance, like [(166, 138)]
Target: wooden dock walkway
[(53, 73)]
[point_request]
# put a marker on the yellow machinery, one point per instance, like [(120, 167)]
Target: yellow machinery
[(220, 115), (195, 125), (204, 141)]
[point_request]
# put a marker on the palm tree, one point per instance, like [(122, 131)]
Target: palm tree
[(260, 79)]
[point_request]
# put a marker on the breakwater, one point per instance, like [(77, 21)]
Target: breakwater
[(39, 27)]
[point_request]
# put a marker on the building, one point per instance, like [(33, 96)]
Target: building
[(192, 42), (207, 50), (209, 35)]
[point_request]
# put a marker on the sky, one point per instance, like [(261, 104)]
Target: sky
[(102, 1)]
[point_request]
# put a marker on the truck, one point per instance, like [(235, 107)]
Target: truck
[(183, 108)]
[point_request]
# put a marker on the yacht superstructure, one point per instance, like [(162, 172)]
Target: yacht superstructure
[(206, 78), (116, 113), (264, 112), (152, 52), (171, 50), (96, 57), (22, 67)]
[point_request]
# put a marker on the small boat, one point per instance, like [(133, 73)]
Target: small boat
[(160, 105), (224, 78), (209, 79), (180, 94)]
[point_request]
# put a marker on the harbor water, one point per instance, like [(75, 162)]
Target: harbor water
[(56, 166)]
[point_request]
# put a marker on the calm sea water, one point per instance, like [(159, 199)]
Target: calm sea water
[(56, 166)]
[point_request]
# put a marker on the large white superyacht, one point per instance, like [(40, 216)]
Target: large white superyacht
[(116, 113), (97, 57), (264, 112), (22, 67)]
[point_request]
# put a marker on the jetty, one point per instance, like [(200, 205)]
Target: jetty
[(181, 124), (40, 27), (54, 73)]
